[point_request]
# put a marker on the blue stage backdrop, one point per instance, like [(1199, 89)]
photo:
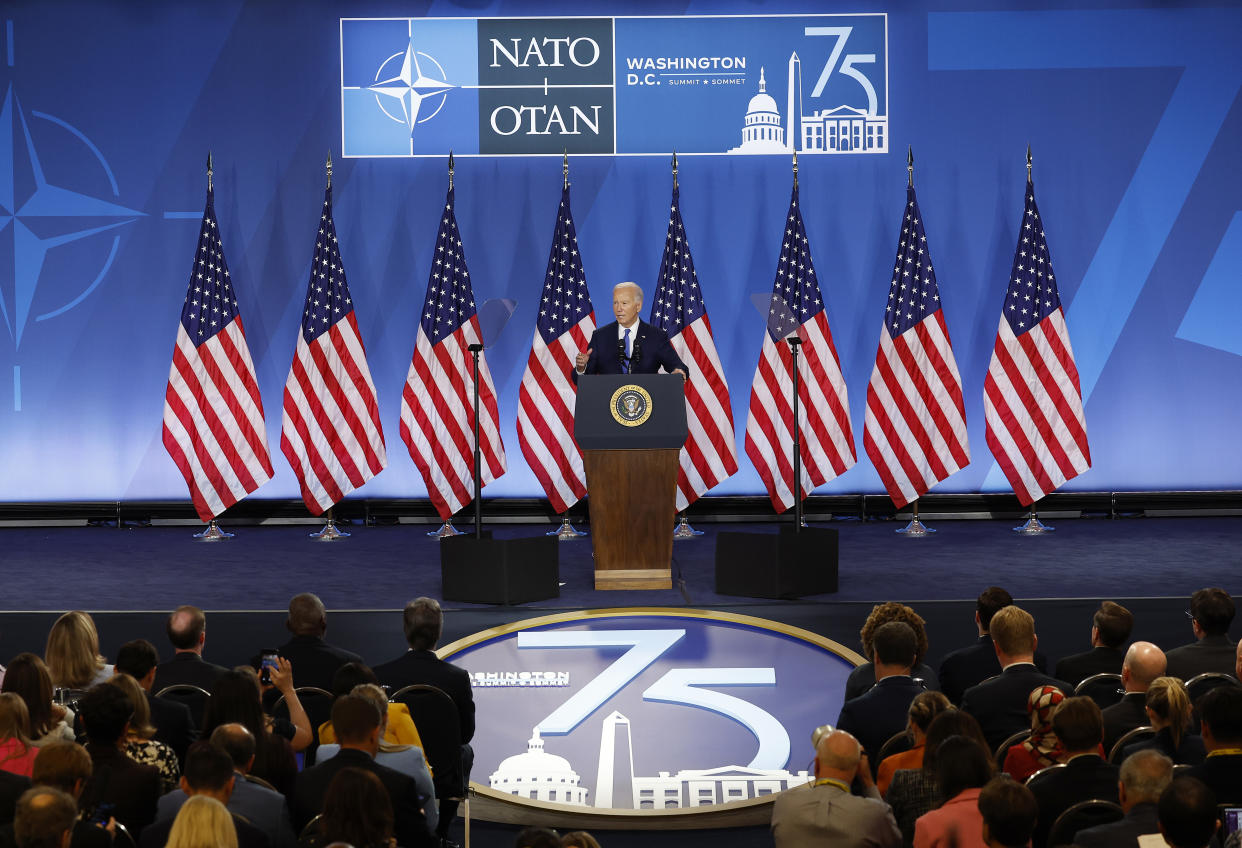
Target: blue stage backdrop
[(109, 110)]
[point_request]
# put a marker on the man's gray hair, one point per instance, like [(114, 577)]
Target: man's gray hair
[(638, 290), (1146, 774)]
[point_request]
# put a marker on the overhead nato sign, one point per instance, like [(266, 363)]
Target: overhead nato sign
[(648, 709), (738, 84)]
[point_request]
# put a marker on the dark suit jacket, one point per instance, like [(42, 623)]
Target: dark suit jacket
[(968, 666), (1223, 775), (1211, 653), (174, 725), (248, 836), (880, 713), (1078, 667), (1139, 820), (654, 350), (132, 787), (1122, 717), (187, 667), (425, 667), (1190, 752), (1083, 778), (862, 678), (314, 661), (11, 788), (85, 835), (409, 824), (999, 703)]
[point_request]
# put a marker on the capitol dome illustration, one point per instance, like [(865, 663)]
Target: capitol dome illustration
[(761, 130), (539, 776)]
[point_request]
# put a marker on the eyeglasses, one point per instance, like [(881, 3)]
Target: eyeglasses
[(1190, 615)]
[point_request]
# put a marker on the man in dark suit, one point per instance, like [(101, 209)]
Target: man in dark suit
[(965, 667), (133, 789), (1220, 711), (422, 622), (628, 345), (1110, 629), (1008, 811), (1078, 725), (209, 772), (44, 818), (1144, 775), (174, 726), (187, 630), (357, 724), (11, 788), (1186, 812), (883, 710), (999, 703), (1211, 613), (66, 766), (314, 659), (1144, 662)]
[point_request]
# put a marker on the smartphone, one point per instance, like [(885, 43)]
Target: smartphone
[(266, 665), (1232, 820), (102, 813)]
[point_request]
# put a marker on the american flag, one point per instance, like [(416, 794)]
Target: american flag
[(437, 405), (546, 399), (213, 415), (915, 431), (331, 433), (824, 412), (709, 455), (1031, 397)]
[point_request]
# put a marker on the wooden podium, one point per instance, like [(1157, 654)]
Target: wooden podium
[(631, 428)]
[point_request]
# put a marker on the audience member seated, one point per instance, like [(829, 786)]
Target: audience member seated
[(187, 631), (579, 839), (356, 811), (1008, 811), (925, 707), (824, 812), (66, 766), (1110, 629), (209, 773), (131, 788), (357, 724), (406, 759), (962, 770), (398, 730), (968, 666), (315, 660), (914, 792), (999, 703), (1211, 613), (140, 742), (235, 698), (1042, 748), (1169, 712), (1086, 775), (1186, 812), (537, 837), (1144, 776), (11, 788), (262, 807), (203, 822), (883, 709), (44, 818), (1144, 662), (1220, 711), (174, 725), (72, 653), (863, 677), (28, 677), (17, 755)]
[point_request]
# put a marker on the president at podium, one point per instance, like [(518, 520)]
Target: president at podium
[(628, 345)]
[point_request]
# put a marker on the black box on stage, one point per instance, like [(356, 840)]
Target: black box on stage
[(785, 564), (499, 571)]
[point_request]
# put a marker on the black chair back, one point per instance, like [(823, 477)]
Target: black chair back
[(895, 744), (318, 705), (1201, 684), (435, 716), (194, 697), (1104, 689), (1081, 816), (1042, 775), (1138, 734), (1002, 750)]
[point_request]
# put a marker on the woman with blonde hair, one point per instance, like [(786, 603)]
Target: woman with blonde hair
[(72, 653), (140, 742), (925, 707), (28, 678), (17, 755), (202, 822), (1169, 711)]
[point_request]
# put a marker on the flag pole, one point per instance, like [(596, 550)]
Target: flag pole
[(683, 530), (794, 342), (915, 529)]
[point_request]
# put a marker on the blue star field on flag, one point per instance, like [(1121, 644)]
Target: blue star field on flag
[(327, 296), (913, 293), (677, 301), (210, 303), (795, 284), (565, 300), (1032, 294), (450, 300)]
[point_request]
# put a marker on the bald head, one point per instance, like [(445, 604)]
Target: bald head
[(1144, 662), (837, 756), (307, 616)]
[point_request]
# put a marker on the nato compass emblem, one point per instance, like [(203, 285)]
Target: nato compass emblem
[(38, 213), (409, 96), (631, 405)]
